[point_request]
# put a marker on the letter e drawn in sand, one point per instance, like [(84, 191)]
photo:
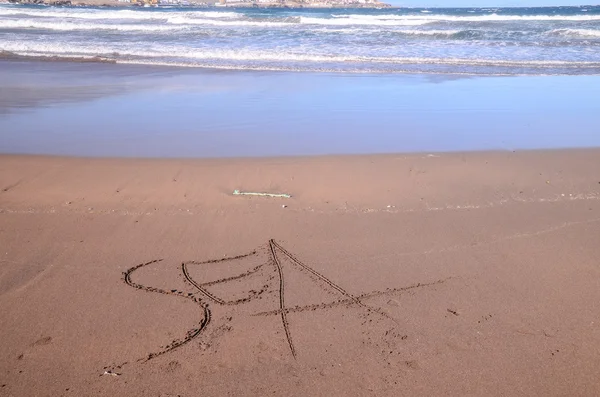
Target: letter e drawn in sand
[(272, 277)]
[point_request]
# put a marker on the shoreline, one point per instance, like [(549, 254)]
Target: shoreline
[(307, 157), (8, 56)]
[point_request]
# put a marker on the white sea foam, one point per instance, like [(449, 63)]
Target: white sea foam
[(362, 21), (221, 18), (111, 18), (115, 14), (469, 18), (409, 32), (437, 33), (583, 33), (69, 26), (166, 52), (416, 20), (307, 39), (424, 15), (170, 24), (214, 22)]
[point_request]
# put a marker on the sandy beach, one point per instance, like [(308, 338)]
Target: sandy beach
[(435, 230), (411, 274)]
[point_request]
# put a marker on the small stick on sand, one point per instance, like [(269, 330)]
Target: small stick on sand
[(240, 193)]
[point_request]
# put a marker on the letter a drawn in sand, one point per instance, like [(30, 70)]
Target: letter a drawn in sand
[(270, 274)]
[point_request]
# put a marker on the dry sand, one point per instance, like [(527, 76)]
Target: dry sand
[(456, 274)]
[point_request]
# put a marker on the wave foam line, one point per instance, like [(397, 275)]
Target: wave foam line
[(122, 52), (583, 33), (188, 21), (174, 23), (361, 21), (333, 20), (295, 69), (117, 14), (277, 68), (468, 18), (433, 33), (68, 26)]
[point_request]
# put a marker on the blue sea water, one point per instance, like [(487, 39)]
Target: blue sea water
[(478, 41)]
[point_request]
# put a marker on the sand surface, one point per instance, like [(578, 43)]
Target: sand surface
[(454, 274)]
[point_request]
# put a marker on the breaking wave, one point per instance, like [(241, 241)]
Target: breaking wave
[(66, 26), (534, 41), (163, 51), (115, 14), (461, 18), (583, 33)]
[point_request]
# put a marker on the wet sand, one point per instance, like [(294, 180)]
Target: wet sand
[(105, 110), (447, 274)]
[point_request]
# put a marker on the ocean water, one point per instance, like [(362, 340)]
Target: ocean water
[(477, 41)]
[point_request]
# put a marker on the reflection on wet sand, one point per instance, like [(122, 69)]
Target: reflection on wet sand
[(101, 109)]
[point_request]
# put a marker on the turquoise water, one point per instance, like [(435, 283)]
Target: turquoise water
[(476, 41), (128, 110)]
